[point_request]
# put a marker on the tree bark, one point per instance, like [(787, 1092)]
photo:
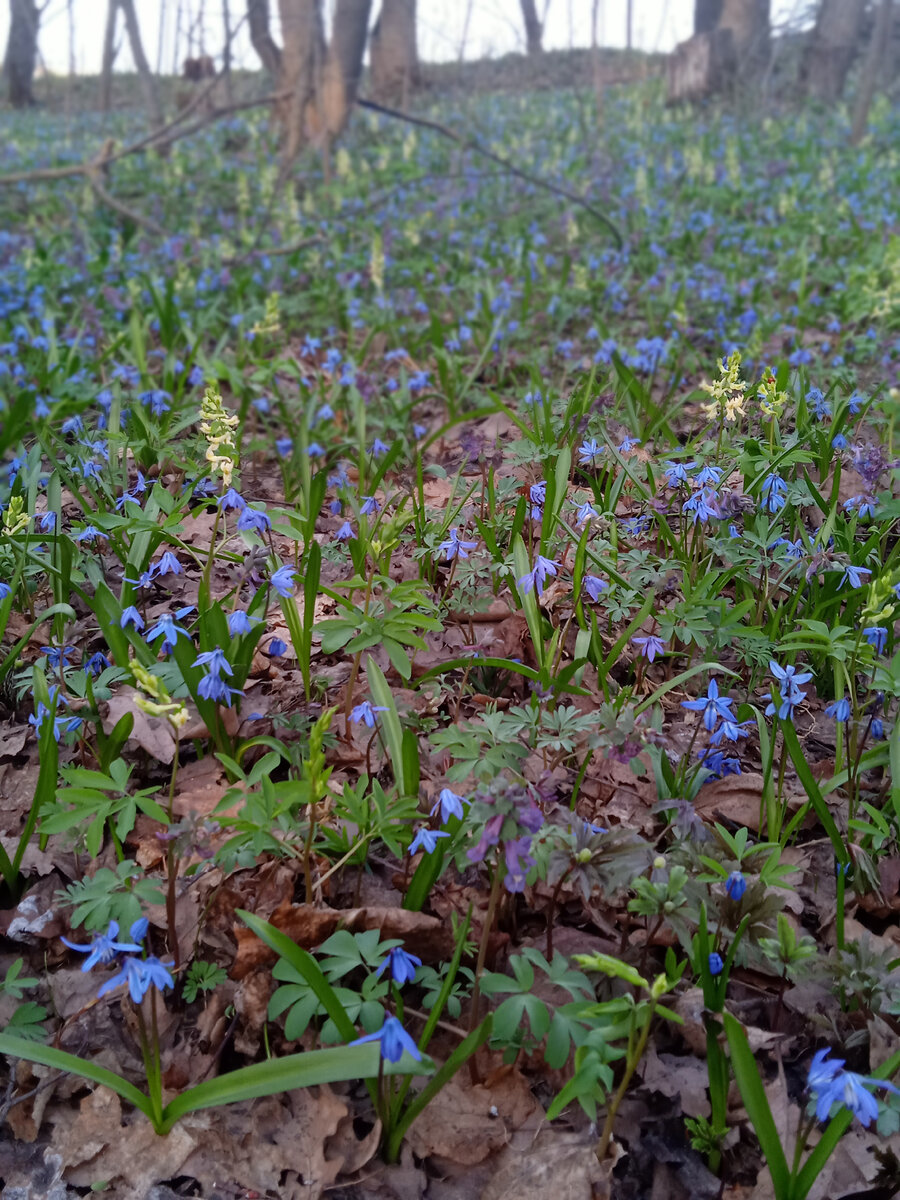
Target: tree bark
[(533, 29), (261, 36), (831, 48), (392, 52), (343, 66), (706, 15), (874, 57), (302, 60), (226, 52), (748, 21), (21, 51), (109, 56), (148, 82)]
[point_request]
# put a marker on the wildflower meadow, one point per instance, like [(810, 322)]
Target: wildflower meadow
[(449, 674)]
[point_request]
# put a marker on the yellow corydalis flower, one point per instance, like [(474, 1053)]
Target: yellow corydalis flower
[(15, 519), (771, 400), (218, 426), (727, 391), (160, 703)]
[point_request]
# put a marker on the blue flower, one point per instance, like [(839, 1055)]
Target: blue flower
[(276, 647), (168, 565), (214, 687), (365, 713), (450, 804), (393, 1039), (585, 512), (590, 452), (854, 576), (536, 577), (595, 586), (839, 442), (239, 622), (5, 590), (735, 885), (677, 473), (104, 948), (402, 966), (215, 660), (711, 705), (379, 449), (426, 839), (131, 616), (166, 627), (57, 656), (232, 499), (282, 582), (774, 493), (839, 710), (788, 680), (830, 1084), (369, 506), (650, 646), (730, 729), (715, 963), (96, 663), (253, 519), (140, 974), (454, 547), (345, 533)]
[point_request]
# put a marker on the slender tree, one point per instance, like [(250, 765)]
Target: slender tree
[(392, 51), (832, 47), (109, 56), (534, 31), (749, 23), (261, 35), (875, 55), (146, 76), (21, 51)]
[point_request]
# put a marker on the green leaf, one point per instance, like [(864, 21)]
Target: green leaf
[(754, 1096), (61, 1060)]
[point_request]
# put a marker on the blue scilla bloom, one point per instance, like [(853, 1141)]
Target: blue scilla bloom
[(839, 442), (253, 519), (140, 974), (877, 637), (595, 586), (839, 710), (282, 581), (276, 647), (166, 627), (585, 512), (735, 885), (393, 1040), (103, 948), (215, 661), (830, 1084), (450, 805), (708, 475), (702, 506), (731, 730), (427, 840), (402, 966), (369, 506), (364, 713), (854, 576), (214, 687), (715, 963), (5, 590), (284, 447), (232, 499), (864, 505), (590, 452), (90, 533), (240, 622), (712, 705), (774, 493), (48, 522), (677, 473), (131, 616), (537, 576), (717, 764), (379, 449), (167, 565), (345, 533), (57, 656), (96, 663), (453, 547)]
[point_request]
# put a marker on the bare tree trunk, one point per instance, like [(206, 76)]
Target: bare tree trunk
[(226, 52), (392, 52), (463, 41), (343, 67), (261, 36), (629, 24), (160, 41), (533, 29), (877, 48), (109, 56), (596, 67), (706, 15), (148, 82), (21, 51), (301, 68), (831, 48), (748, 21)]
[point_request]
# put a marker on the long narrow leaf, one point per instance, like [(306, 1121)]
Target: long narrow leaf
[(49, 1056), (754, 1096)]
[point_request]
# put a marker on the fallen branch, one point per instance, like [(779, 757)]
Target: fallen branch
[(471, 144)]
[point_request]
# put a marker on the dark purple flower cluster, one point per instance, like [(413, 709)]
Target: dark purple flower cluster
[(508, 815)]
